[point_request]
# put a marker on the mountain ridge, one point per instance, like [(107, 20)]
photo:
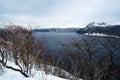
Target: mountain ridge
[(106, 29)]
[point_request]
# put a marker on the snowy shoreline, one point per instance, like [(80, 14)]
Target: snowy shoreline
[(99, 34)]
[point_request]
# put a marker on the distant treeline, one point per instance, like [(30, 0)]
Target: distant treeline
[(56, 30)]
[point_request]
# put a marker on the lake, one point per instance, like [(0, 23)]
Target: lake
[(53, 40)]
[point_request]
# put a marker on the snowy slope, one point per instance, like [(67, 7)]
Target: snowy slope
[(13, 75), (9, 74), (94, 24)]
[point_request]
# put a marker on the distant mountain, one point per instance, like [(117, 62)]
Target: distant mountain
[(101, 28), (3, 25), (93, 24), (56, 30)]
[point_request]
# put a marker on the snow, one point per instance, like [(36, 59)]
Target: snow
[(94, 24), (9, 74), (40, 75), (99, 34), (95, 34), (12, 64), (13, 75), (102, 24)]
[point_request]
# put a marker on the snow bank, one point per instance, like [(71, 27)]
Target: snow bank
[(99, 34), (13, 75), (9, 74)]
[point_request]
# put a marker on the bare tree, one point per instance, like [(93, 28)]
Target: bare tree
[(24, 47), (94, 58)]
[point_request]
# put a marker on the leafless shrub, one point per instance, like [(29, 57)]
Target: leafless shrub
[(24, 47), (94, 59)]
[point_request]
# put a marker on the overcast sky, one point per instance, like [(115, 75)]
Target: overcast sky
[(60, 13)]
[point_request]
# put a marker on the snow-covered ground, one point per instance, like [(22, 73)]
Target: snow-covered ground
[(40, 75), (99, 34), (9, 74)]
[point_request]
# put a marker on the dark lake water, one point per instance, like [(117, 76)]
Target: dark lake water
[(53, 40)]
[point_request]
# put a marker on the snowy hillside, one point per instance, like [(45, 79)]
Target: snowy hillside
[(94, 24), (13, 75), (101, 28), (8, 74)]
